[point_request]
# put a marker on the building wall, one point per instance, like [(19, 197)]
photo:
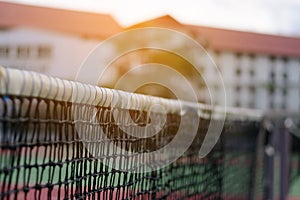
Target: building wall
[(250, 80), (53, 53), (258, 81)]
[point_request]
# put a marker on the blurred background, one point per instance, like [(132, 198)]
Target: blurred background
[(255, 45)]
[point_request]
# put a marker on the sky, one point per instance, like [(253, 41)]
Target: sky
[(264, 16)]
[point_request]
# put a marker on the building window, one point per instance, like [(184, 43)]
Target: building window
[(252, 89), (251, 56), (251, 104), (285, 76), (252, 73), (44, 52), (285, 59), (238, 71), (283, 105), (4, 51), (23, 52), (272, 58), (271, 88), (272, 105), (272, 75), (238, 88), (237, 104), (284, 92), (238, 55), (217, 53)]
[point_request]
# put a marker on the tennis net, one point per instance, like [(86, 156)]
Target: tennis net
[(65, 140)]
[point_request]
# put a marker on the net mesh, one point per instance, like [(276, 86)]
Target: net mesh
[(43, 156)]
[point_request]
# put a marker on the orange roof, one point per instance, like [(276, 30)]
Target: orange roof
[(165, 21), (246, 42), (103, 26), (230, 40), (83, 23)]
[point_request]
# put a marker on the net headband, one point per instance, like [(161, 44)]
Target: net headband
[(31, 84)]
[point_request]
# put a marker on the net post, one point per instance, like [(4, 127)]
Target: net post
[(259, 159), (269, 152), (284, 150)]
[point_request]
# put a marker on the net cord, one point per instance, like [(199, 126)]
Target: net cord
[(27, 83)]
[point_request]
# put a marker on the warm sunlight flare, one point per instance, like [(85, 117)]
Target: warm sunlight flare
[(275, 17)]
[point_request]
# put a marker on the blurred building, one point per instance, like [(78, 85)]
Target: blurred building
[(259, 71), (48, 40)]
